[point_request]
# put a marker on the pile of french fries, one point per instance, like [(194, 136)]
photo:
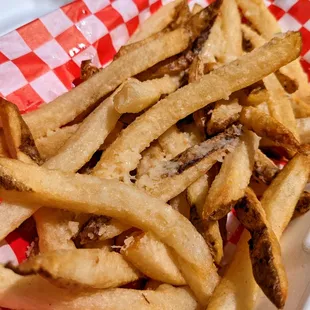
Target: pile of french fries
[(130, 175)]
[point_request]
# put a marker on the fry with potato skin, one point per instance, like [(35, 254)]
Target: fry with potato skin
[(267, 127), (172, 177), (229, 185), (66, 268), (84, 193), (69, 105), (238, 287), (17, 135), (265, 252), (152, 258), (33, 292), (124, 154)]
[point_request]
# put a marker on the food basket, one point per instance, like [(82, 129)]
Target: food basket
[(41, 60)]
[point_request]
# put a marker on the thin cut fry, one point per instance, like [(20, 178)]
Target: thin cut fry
[(265, 252), (99, 228), (84, 193), (196, 194), (181, 204), (303, 127), (48, 146), (267, 127), (279, 103), (238, 285), (135, 96), (152, 258), (124, 154), (69, 105), (231, 26), (34, 292), (301, 109), (225, 113), (173, 177), (156, 22), (229, 185), (17, 135), (196, 8), (266, 24), (265, 169), (66, 268)]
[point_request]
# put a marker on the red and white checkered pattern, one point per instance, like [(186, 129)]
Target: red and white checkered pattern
[(40, 61)]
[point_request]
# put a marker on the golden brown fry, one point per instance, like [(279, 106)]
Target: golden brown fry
[(172, 177), (67, 106), (288, 84), (152, 258), (266, 24), (196, 69), (303, 127), (231, 26), (83, 193), (198, 27), (17, 135), (196, 195), (80, 267), (34, 292), (48, 146), (84, 142), (264, 168), (99, 228), (229, 185), (225, 113), (303, 205), (256, 97), (268, 127), (265, 252), (135, 96), (238, 285), (124, 154), (4, 152), (181, 204), (279, 103), (157, 21)]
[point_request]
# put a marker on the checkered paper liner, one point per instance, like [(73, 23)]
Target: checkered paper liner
[(41, 61)]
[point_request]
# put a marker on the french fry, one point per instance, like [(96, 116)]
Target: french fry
[(266, 24), (300, 108), (256, 97), (124, 154), (265, 252), (231, 26), (264, 169), (88, 69), (83, 193), (135, 96), (66, 268), (225, 113), (99, 228), (303, 127), (229, 185), (34, 292), (181, 204), (17, 135), (48, 146), (279, 103), (288, 84), (238, 286), (198, 26), (196, 194), (69, 105), (152, 258), (267, 127), (173, 177), (157, 21), (303, 205), (4, 152)]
